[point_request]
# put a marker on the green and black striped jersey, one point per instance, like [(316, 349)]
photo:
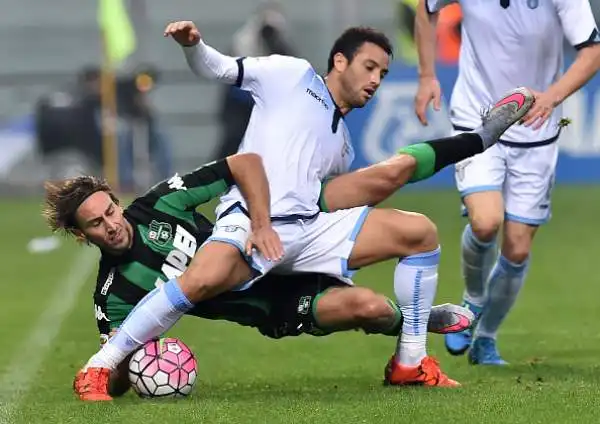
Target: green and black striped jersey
[(167, 232)]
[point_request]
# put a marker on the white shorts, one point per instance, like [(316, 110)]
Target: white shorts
[(322, 244), (525, 176)]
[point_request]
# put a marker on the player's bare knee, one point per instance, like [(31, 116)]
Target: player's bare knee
[(516, 250), (485, 227), (417, 234)]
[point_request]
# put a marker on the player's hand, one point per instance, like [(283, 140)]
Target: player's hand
[(184, 32), (266, 241), (541, 109), (429, 90)]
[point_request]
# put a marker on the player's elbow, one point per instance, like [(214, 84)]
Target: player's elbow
[(593, 54), (241, 161)]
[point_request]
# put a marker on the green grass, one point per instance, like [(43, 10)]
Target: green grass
[(551, 340)]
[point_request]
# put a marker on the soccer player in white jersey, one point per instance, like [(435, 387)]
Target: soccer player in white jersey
[(505, 43), (297, 127)]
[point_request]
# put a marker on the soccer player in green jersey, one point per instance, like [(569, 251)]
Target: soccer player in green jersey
[(155, 237)]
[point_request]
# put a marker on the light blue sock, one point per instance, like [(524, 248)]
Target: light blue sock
[(156, 313), (477, 261), (415, 284), (506, 281)]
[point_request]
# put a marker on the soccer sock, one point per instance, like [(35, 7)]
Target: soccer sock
[(415, 283), (506, 281), (433, 156), (156, 313), (477, 261)]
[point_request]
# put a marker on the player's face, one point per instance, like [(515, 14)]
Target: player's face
[(101, 222), (364, 74)]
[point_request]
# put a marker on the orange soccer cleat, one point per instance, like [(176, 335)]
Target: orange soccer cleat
[(91, 385), (427, 373)]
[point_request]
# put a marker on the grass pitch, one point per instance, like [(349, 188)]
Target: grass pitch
[(551, 340)]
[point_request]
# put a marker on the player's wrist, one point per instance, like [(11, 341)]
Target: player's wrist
[(260, 223), (427, 76)]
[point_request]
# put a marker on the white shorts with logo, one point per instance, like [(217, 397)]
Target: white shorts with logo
[(525, 176), (322, 244)]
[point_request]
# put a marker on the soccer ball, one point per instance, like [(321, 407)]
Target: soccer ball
[(163, 368)]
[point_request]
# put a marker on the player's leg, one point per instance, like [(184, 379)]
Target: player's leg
[(318, 304), (479, 181), (412, 238), (215, 268), (371, 185), (527, 196), (351, 307), (338, 243)]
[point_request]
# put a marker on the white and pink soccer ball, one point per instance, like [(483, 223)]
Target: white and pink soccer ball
[(163, 368)]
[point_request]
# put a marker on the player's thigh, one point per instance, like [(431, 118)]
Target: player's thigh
[(368, 186), (482, 172), (529, 183), (392, 233), (216, 267), (233, 230), (480, 181)]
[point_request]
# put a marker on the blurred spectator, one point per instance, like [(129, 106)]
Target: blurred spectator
[(69, 129), (263, 34), (448, 33)]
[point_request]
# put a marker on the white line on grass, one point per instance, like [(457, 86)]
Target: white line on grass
[(30, 355)]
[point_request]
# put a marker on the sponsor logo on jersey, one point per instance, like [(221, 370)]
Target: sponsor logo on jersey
[(318, 98), (108, 283), (160, 232), (176, 183), (100, 315), (184, 249)]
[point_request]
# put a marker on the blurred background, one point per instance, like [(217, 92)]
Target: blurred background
[(94, 87)]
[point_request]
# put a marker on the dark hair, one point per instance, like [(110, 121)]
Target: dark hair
[(353, 38), (63, 198)]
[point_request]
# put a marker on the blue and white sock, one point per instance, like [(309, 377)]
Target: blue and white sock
[(506, 281), (477, 261), (415, 284), (156, 313)]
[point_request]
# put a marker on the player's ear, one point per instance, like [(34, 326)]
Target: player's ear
[(340, 62)]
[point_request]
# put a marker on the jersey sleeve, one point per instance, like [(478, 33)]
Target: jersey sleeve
[(578, 22), (106, 320), (434, 6), (188, 191), (270, 76)]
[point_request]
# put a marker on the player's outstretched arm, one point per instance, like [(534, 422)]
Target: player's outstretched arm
[(250, 176), (202, 59)]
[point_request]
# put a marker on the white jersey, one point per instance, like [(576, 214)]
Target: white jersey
[(297, 130), (512, 43)]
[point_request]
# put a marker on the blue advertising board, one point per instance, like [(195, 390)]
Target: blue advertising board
[(389, 123)]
